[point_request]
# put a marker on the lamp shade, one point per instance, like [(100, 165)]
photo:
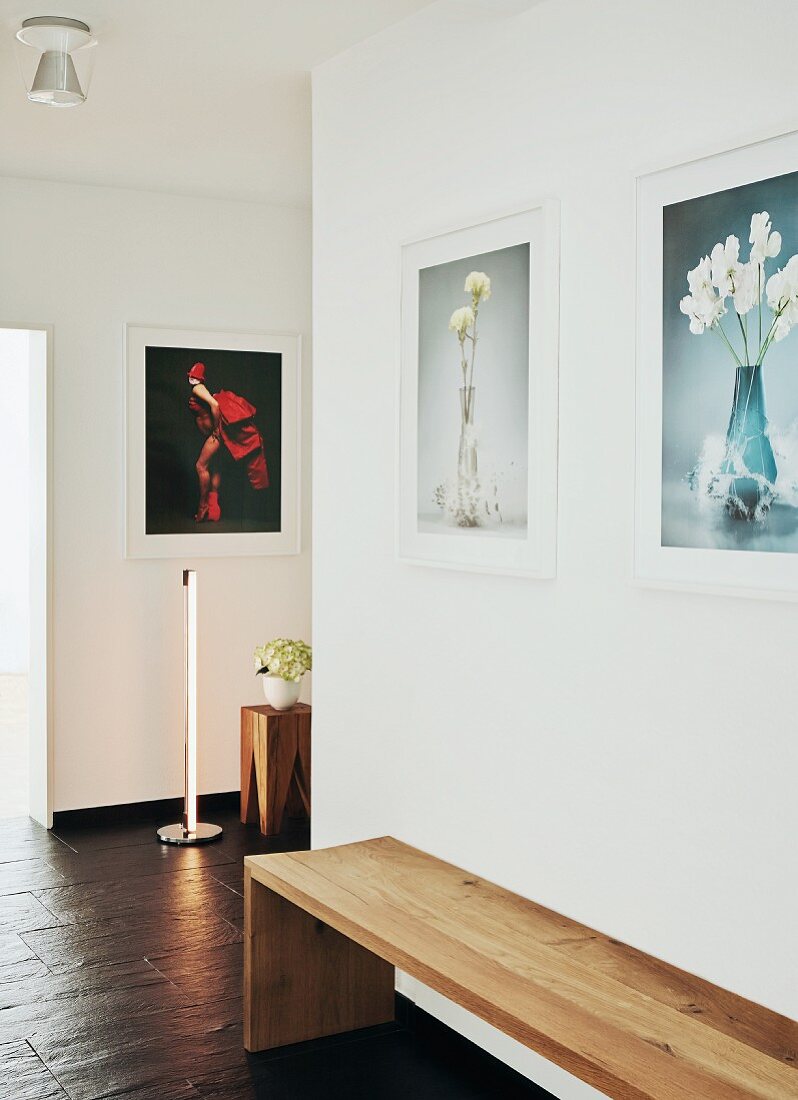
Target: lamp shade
[(55, 57)]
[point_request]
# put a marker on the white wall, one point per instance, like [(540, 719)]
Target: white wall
[(87, 260), (615, 753), (14, 502)]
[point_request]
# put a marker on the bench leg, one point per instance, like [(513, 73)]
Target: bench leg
[(302, 979)]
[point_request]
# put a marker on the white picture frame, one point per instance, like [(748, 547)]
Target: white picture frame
[(203, 543), (533, 553), (738, 572)]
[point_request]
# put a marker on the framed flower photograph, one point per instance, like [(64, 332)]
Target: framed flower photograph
[(212, 443), (477, 486), (717, 385)]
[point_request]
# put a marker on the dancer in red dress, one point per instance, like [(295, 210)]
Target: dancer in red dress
[(224, 419)]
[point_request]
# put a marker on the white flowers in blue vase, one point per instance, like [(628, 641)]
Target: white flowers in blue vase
[(722, 284), (723, 276)]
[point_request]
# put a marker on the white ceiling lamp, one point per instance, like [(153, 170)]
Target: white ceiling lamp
[(56, 60)]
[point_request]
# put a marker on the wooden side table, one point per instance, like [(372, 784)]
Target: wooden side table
[(275, 765)]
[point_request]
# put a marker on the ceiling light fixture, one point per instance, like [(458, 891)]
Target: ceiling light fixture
[(57, 61)]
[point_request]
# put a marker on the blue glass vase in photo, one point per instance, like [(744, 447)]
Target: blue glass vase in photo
[(749, 456)]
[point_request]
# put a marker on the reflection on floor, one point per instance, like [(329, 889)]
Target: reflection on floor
[(13, 745), (121, 976)]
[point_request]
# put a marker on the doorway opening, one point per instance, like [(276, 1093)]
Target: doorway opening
[(25, 636)]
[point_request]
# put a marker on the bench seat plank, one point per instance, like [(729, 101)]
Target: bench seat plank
[(630, 1025)]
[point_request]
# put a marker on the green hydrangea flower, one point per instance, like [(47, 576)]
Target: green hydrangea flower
[(284, 657)]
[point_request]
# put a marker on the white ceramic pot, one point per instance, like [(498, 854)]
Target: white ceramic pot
[(281, 694)]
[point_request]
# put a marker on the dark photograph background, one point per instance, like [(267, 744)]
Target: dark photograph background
[(173, 441)]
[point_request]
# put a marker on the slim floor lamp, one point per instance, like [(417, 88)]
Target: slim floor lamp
[(189, 830)]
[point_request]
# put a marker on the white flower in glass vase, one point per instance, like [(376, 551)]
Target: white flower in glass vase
[(723, 275), (764, 244), (461, 321), (747, 473), (782, 296), (781, 328), (725, 266), (463, 503), (741, 281), (699, 278), (702, 305), (747, 287), (477, 284)]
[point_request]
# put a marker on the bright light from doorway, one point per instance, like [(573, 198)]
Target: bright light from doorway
[(14, 602)]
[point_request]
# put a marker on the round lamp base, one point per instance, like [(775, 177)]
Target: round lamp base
[(175, 834)]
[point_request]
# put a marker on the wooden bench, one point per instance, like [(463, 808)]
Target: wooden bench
[(325, 929)]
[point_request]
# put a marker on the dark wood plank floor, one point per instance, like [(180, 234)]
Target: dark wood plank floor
[(120, 976)]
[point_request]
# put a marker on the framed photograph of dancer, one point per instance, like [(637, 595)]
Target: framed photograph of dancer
[(717, 391), (477, 432), (212, 443)]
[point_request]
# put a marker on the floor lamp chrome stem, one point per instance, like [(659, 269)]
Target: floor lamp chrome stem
[(189, 830)]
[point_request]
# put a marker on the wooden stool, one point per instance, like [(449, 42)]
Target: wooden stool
[(275, 765)]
